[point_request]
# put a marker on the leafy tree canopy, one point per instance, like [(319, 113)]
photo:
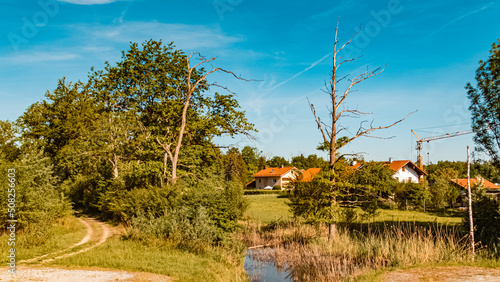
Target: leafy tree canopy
[(485, 106)]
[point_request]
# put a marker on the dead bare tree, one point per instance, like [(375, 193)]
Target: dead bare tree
[(172, 147), (331, 132)]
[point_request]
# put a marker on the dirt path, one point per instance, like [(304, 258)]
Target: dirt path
[(88, 223), (97, 233), (452, 273)]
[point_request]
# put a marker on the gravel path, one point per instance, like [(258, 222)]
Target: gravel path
[(454, 273), (25, 273)]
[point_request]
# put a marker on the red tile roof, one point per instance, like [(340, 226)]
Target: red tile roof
[(273, 171), (397, 165), (474, 181), (309, 174)]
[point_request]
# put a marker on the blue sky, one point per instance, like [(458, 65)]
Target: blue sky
[(431, 49)]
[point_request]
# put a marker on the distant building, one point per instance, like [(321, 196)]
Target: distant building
[(491, 188), (273, 176), (404, 170)]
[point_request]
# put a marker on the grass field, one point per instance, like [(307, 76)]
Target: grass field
[(265, 209)]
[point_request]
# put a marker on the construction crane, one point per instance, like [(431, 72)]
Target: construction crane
[(420, 162)]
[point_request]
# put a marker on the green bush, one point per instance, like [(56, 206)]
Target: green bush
[(121, 205), (277, 187), (413, 194), (37, 199), (187, 227), (486, 217), (261, 192)]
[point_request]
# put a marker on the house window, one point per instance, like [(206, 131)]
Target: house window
[(409, 180), (259, 180), (274, 180), (404, 169)]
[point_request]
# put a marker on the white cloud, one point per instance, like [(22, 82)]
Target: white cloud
[(88, 2), (190, 37), (31, 57)]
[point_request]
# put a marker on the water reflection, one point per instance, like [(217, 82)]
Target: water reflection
[(260, 267)]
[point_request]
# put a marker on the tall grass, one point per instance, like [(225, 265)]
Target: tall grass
[(309, 256)]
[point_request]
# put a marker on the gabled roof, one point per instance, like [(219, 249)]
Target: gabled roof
[(356, 165), (473, 181), (309, 174), (397, 165), (394, 165), (273, 171)]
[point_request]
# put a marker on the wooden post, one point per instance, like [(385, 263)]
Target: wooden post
[(470, 206)]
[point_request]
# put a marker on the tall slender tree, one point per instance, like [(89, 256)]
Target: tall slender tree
[(332, 131)]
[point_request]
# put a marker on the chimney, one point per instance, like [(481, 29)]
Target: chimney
[(272, 170), (390, 160), (353, 163), (282, 166), (266, 166)]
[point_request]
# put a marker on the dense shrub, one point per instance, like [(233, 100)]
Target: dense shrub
[(37, 199), (121, 205), (412, 195), (84, 191), (486, 217), (223, 200), (186, 226)]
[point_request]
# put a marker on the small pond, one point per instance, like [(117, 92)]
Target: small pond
[(260, 269)]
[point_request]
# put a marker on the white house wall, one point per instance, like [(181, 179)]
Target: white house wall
[(408, 174), (262, 182)]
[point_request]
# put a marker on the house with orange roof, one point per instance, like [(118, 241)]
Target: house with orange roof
[(492, 189), (273, 176), (404, 170), (280, 176)]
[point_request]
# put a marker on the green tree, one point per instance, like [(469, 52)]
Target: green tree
[(278, 161), (484, 107), (60, 119), (235, 167), (302, 162), (412, 195), (8, 148), (38, 200), (251, 156), (363, 188), (443, 191), (167, 92)]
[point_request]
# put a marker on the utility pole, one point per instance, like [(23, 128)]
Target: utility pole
[(470, 206)]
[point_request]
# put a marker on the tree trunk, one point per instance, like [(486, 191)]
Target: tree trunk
[(174, 170), (114, 162)]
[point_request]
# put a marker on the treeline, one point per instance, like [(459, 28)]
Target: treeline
[(132, 144), (485, 169)]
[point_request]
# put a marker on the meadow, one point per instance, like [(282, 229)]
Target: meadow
[(265, 209)]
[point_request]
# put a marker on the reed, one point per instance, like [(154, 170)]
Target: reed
[(307, 254)]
